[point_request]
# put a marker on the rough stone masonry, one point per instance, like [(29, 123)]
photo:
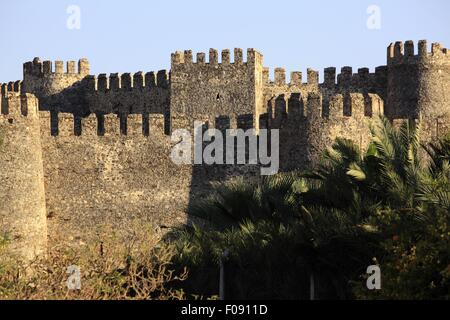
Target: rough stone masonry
[(83, 153)]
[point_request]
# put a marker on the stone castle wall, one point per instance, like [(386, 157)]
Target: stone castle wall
[(99, 149)]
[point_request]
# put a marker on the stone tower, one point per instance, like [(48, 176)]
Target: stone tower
[(22, 194), (56, 87), (419, 85)]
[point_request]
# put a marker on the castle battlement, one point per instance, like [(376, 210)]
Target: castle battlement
[(15, 105), (38, 69), (127, 81), (101, 125), (313, 106), (186, 57), (363, 79)]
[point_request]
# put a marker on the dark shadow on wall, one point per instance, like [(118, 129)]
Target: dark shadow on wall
[(80, 102)]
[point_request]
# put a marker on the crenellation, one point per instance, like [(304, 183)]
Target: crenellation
[(312, 77), (238, 56), (330, 77), (39, 69), (138, 80), (67, 125), (403, 53), (185, 58), (296, 78), (114, 82), (15, 105), (59, 67), (226, 57), (126, 81)]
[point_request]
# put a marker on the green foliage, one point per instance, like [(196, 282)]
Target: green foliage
[(232, 203)]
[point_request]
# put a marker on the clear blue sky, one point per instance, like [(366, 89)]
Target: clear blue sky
[(134, 35)]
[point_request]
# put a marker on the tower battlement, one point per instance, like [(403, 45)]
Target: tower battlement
[(90, 149)]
